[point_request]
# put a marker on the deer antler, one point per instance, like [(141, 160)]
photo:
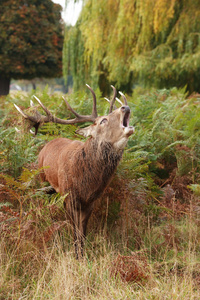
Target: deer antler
[(123, 96), (94, 114), (38, 119), (94, 110), (115, 98), (112, 101)]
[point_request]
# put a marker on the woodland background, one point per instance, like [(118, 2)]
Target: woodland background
[(144, 235)]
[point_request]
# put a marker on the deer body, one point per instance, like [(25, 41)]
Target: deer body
[(80, 171), (83, 169)]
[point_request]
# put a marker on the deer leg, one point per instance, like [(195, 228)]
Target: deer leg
[(75, 241), (72, 215), (79, 218), (84, 221), (77, 233), (84, 226), (80, 226)]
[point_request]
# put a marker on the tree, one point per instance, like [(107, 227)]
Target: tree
[(123, 42), (31, 40)]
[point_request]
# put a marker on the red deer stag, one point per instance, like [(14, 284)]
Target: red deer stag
[(82, 170)]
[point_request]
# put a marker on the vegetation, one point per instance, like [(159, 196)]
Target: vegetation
[(143, 237), (125, 42), (31, 41)]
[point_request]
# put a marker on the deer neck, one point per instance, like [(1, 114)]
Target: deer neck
[(102, 154)]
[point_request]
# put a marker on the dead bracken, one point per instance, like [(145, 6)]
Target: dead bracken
[(132, 268)]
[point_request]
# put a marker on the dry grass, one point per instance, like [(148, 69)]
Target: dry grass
[(137, 256), (34, 269)]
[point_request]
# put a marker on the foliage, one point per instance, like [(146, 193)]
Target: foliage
[(167, 128), (143, 242), (126, 42), (16, 151), (31, 39), (73, 60), (166, 138)]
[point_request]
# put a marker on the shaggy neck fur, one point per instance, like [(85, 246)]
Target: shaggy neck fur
[(97, 162)]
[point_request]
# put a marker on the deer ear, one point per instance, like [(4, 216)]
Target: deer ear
[(85, 131)]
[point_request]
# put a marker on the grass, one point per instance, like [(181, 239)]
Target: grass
[(50, 272), (159, 260)]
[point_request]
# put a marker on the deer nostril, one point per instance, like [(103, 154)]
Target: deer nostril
[(125, 108)]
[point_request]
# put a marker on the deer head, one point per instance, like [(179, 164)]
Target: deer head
[(113, 129)]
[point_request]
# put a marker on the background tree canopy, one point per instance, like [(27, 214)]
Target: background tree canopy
[(31, 40), (150, 42)]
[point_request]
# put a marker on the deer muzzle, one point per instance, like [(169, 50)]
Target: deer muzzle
[(125, 121), (126, 115)]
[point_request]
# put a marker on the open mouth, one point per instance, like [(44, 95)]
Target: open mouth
[(126, 118)]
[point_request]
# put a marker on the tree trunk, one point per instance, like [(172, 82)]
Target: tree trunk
[(34, 85), (4, 86)]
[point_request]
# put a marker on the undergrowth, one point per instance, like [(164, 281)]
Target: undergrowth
[(143, 237)]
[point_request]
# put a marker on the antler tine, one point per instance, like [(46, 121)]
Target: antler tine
[(113, 99), (31, 103), (94, 109), (34, 120), (119, 101), (44, 107), (107, 99), (123, 96), (20, 111), (17, 130), (70, 108)]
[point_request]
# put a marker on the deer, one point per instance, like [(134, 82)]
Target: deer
[(81, 170)]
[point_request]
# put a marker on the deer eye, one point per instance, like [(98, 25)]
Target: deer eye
[(103, 121)]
